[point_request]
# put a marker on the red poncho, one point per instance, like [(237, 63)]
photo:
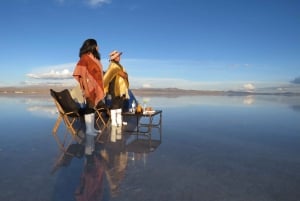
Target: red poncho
[(89, 74)]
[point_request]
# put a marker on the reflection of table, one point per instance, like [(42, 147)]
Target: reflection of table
[(146, 121)]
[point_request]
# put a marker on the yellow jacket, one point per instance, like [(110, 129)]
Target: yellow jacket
[(120, 84)]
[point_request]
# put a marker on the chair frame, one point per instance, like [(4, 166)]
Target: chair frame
[(99, 111), (69, 118)]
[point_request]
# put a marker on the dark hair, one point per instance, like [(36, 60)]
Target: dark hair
[(89, 46)]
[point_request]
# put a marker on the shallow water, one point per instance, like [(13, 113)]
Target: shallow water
[(213, 148)]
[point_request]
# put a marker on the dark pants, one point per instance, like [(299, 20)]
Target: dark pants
[(117, 102)]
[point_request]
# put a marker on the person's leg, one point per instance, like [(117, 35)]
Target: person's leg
[(90, 124), (116, 111), (119, 111), (119, 117)]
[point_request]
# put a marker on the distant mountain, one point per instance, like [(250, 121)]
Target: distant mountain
[(172, 92)]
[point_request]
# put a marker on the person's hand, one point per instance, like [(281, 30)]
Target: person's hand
[(126, 75), (86, 94), (123, 75)]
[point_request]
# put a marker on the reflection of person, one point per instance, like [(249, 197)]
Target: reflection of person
[(104, 165), (89, 74), (115, 165), (116, 84), (92, 180)]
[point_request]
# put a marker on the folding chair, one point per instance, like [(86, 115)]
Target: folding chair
[(102, 115), (69, 111)]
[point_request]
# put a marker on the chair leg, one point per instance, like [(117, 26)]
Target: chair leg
[(70, 125), (56, 125), (101, 119)]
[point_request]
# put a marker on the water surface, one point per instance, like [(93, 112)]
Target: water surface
[(212, 148)]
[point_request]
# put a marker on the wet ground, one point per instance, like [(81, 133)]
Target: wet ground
[(209, 148)]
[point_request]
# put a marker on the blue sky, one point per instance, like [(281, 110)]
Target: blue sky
[(203, 44)]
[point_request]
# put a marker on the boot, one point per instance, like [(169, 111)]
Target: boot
[(119, 117), (89, 124), (113, 117), (113, 132), (119, 133), (89, 145)]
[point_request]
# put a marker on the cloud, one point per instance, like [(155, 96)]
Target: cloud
[(146, 85), (97, 3), (171, 75), (56, 72), (296, 80), (64, 74), (164, 82), (245, 65), (249, 87), (92, 3)]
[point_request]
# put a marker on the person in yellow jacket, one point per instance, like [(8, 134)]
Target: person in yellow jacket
[(116, 85)]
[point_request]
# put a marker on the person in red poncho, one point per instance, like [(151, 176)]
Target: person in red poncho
[(89, 73)]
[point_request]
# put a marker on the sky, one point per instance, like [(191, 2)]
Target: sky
[(251, 45)]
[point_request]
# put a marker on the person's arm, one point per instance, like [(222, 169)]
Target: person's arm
[(109, 75), (123, 74), (80, 74), (85, 87)]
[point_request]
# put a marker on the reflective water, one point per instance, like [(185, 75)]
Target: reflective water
[(212, 148)]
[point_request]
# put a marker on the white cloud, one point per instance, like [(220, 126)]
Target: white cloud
[(92, 3), (249, 87), (63, 71), (52, 74), (141, 76), (237, 65), (152, 82), (98, 2), (146, 85)]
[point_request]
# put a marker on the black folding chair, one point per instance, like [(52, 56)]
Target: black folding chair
[(68, 110)]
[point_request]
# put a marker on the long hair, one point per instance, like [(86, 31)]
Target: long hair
[(89, 46)]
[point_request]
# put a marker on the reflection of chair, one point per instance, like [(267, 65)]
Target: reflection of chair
[(68, 110), (66, 156)]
